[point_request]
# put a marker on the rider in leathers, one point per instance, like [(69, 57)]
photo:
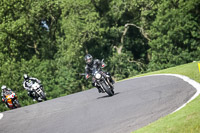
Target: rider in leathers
[(28, 82), (96, 63)]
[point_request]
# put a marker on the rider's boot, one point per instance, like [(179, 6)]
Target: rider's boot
[(99, 89), (39, 99), (111, 80), (31, 95)]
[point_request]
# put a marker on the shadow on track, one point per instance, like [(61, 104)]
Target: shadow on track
[(107, 96)]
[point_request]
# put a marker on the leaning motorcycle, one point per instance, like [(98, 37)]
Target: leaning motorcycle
[(38, 92), (102, 80), (12, 101)]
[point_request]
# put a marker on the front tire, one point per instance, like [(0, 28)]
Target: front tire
[(44, 96), (109, 91), (16, 104)]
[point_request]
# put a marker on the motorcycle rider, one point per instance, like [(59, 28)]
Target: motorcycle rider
[(27, 84), (96, 63), (4, 90)]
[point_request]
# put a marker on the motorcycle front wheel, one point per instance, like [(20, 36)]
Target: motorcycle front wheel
[(43, 96), (16, 103), (109, 91)]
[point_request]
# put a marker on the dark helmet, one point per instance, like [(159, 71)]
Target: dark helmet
[(88, 59), (26, 76)]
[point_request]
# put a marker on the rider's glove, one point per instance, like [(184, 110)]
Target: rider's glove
[(87, 76), (103, 65), (4, 100)]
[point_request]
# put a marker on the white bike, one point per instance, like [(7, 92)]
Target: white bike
[(38, 92)]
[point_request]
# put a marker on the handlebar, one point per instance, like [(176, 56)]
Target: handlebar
[(82, 74)]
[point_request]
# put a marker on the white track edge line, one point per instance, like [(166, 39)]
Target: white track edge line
[(195, 84), (1, 116)]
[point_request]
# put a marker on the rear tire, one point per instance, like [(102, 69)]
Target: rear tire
[(113, 91)]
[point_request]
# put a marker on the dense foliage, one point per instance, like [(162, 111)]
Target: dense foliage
[(49, 39)]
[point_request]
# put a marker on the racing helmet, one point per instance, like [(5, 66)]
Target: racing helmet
[(3, 87), (26, 76), (88, 59)]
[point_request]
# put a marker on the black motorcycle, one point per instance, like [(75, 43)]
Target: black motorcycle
[(103, 80)]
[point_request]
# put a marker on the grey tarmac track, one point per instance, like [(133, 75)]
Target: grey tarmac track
[(137, 103)]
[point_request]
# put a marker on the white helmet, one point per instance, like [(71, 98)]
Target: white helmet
[(3, 87), (26, 76)]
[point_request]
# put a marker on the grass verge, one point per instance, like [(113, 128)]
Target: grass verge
[(186, 120)]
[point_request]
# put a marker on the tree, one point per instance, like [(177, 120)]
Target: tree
[(175, 34)]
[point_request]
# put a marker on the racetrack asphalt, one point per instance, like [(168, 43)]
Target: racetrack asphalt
[(136, 103)]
